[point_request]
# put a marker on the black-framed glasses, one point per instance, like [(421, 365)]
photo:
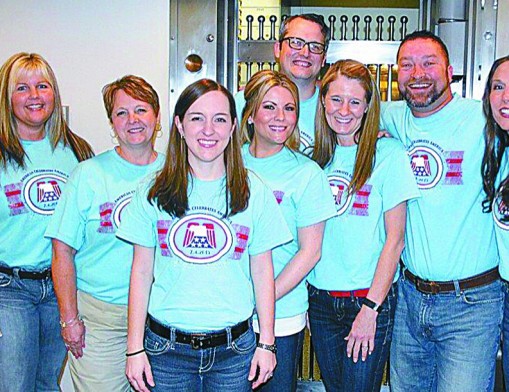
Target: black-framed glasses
[(298, 44)]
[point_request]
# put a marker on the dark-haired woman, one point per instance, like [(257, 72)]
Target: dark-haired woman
[(91, 267), (496, 177), (202, 233), (37, 153), (268, 127), (352, 290)]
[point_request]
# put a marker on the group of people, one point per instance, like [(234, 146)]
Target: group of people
[(283, 206)]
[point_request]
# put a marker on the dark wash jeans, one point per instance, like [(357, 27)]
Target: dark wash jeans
[(331, 320), (178, 367)]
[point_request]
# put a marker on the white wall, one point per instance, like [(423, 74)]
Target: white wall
[(90, 43)]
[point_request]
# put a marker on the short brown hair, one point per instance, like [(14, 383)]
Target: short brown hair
[(134, 86)]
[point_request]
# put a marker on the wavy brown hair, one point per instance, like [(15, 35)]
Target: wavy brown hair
[(366, 136), (11, 148), (170, 188), (496, 141), (254, 93)]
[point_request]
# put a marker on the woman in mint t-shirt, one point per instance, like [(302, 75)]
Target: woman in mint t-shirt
[(496, 177), (37, 153), (352, 290), (91, 267), (203, 231), (300, 186)]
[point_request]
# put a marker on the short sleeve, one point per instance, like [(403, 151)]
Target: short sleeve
[(314, 203), (69, 219), (399, 184), (139, 220)]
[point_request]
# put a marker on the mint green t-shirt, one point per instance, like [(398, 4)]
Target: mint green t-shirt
[(448, 236), (202, 279), (27, 201), (88, 217), (354, 238), (500, 212), (301, 189)]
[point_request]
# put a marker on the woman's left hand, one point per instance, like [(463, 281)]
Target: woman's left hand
[(263, 363), (362, 335)]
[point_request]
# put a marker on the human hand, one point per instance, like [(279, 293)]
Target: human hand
[(362, 335), (136, 367), (74, 338), (263, 363)]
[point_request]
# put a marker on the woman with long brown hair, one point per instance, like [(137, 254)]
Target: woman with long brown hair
[(352, 290), (202, 231), (37, 153), (495, 170)]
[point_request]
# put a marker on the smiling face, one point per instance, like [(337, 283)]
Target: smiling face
[(275, 120), (499, 96), (300, 65), (133, 122), (207, 127), (424, 76), (345, 106), (33, 101)]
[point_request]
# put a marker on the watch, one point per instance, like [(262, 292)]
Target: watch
[(269, 347), (372, 305)]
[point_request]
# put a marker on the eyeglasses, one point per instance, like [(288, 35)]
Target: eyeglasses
[(298, 44)]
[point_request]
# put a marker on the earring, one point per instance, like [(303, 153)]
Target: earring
[(250, 121), (158, 130), (114, 138)]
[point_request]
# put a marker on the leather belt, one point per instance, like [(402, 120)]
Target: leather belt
[(199, 340), (33, 275), (362, 293), (432, 287)]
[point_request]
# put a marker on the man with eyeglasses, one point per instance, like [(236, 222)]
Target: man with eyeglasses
[(300, 52)]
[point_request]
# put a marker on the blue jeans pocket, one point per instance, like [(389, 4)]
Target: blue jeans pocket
[(491, 293), (155, 344), (245, 343), (5, 280)]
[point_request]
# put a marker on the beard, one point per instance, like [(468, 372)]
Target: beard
[(421, 99)]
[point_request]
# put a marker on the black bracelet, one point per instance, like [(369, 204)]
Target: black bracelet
[(135, 353)]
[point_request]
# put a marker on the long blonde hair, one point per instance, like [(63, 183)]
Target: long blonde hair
[(171, 184), (366, 136), (256, 89), (11, 149)]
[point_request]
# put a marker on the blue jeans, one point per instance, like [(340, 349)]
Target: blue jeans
[(287, 356), (446, 342), (31, 348), (505, 335), (178, 367), (331, 320)]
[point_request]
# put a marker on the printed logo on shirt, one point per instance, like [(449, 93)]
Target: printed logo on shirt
[(14, 199), (111, 213), (339, 183), (305, 140), (429, 162), (200, 238), (42, 190), (279, 196), (360, 205), (500, 211)]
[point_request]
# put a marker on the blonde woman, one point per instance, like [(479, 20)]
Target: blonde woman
[(37, 153), (352, 290), (269, 127)]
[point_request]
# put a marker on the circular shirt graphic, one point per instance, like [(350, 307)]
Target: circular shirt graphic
[(500, 211), (42, 192), (200, 238), (305, 141), (426, 165), (119, 209), (339, 187)]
